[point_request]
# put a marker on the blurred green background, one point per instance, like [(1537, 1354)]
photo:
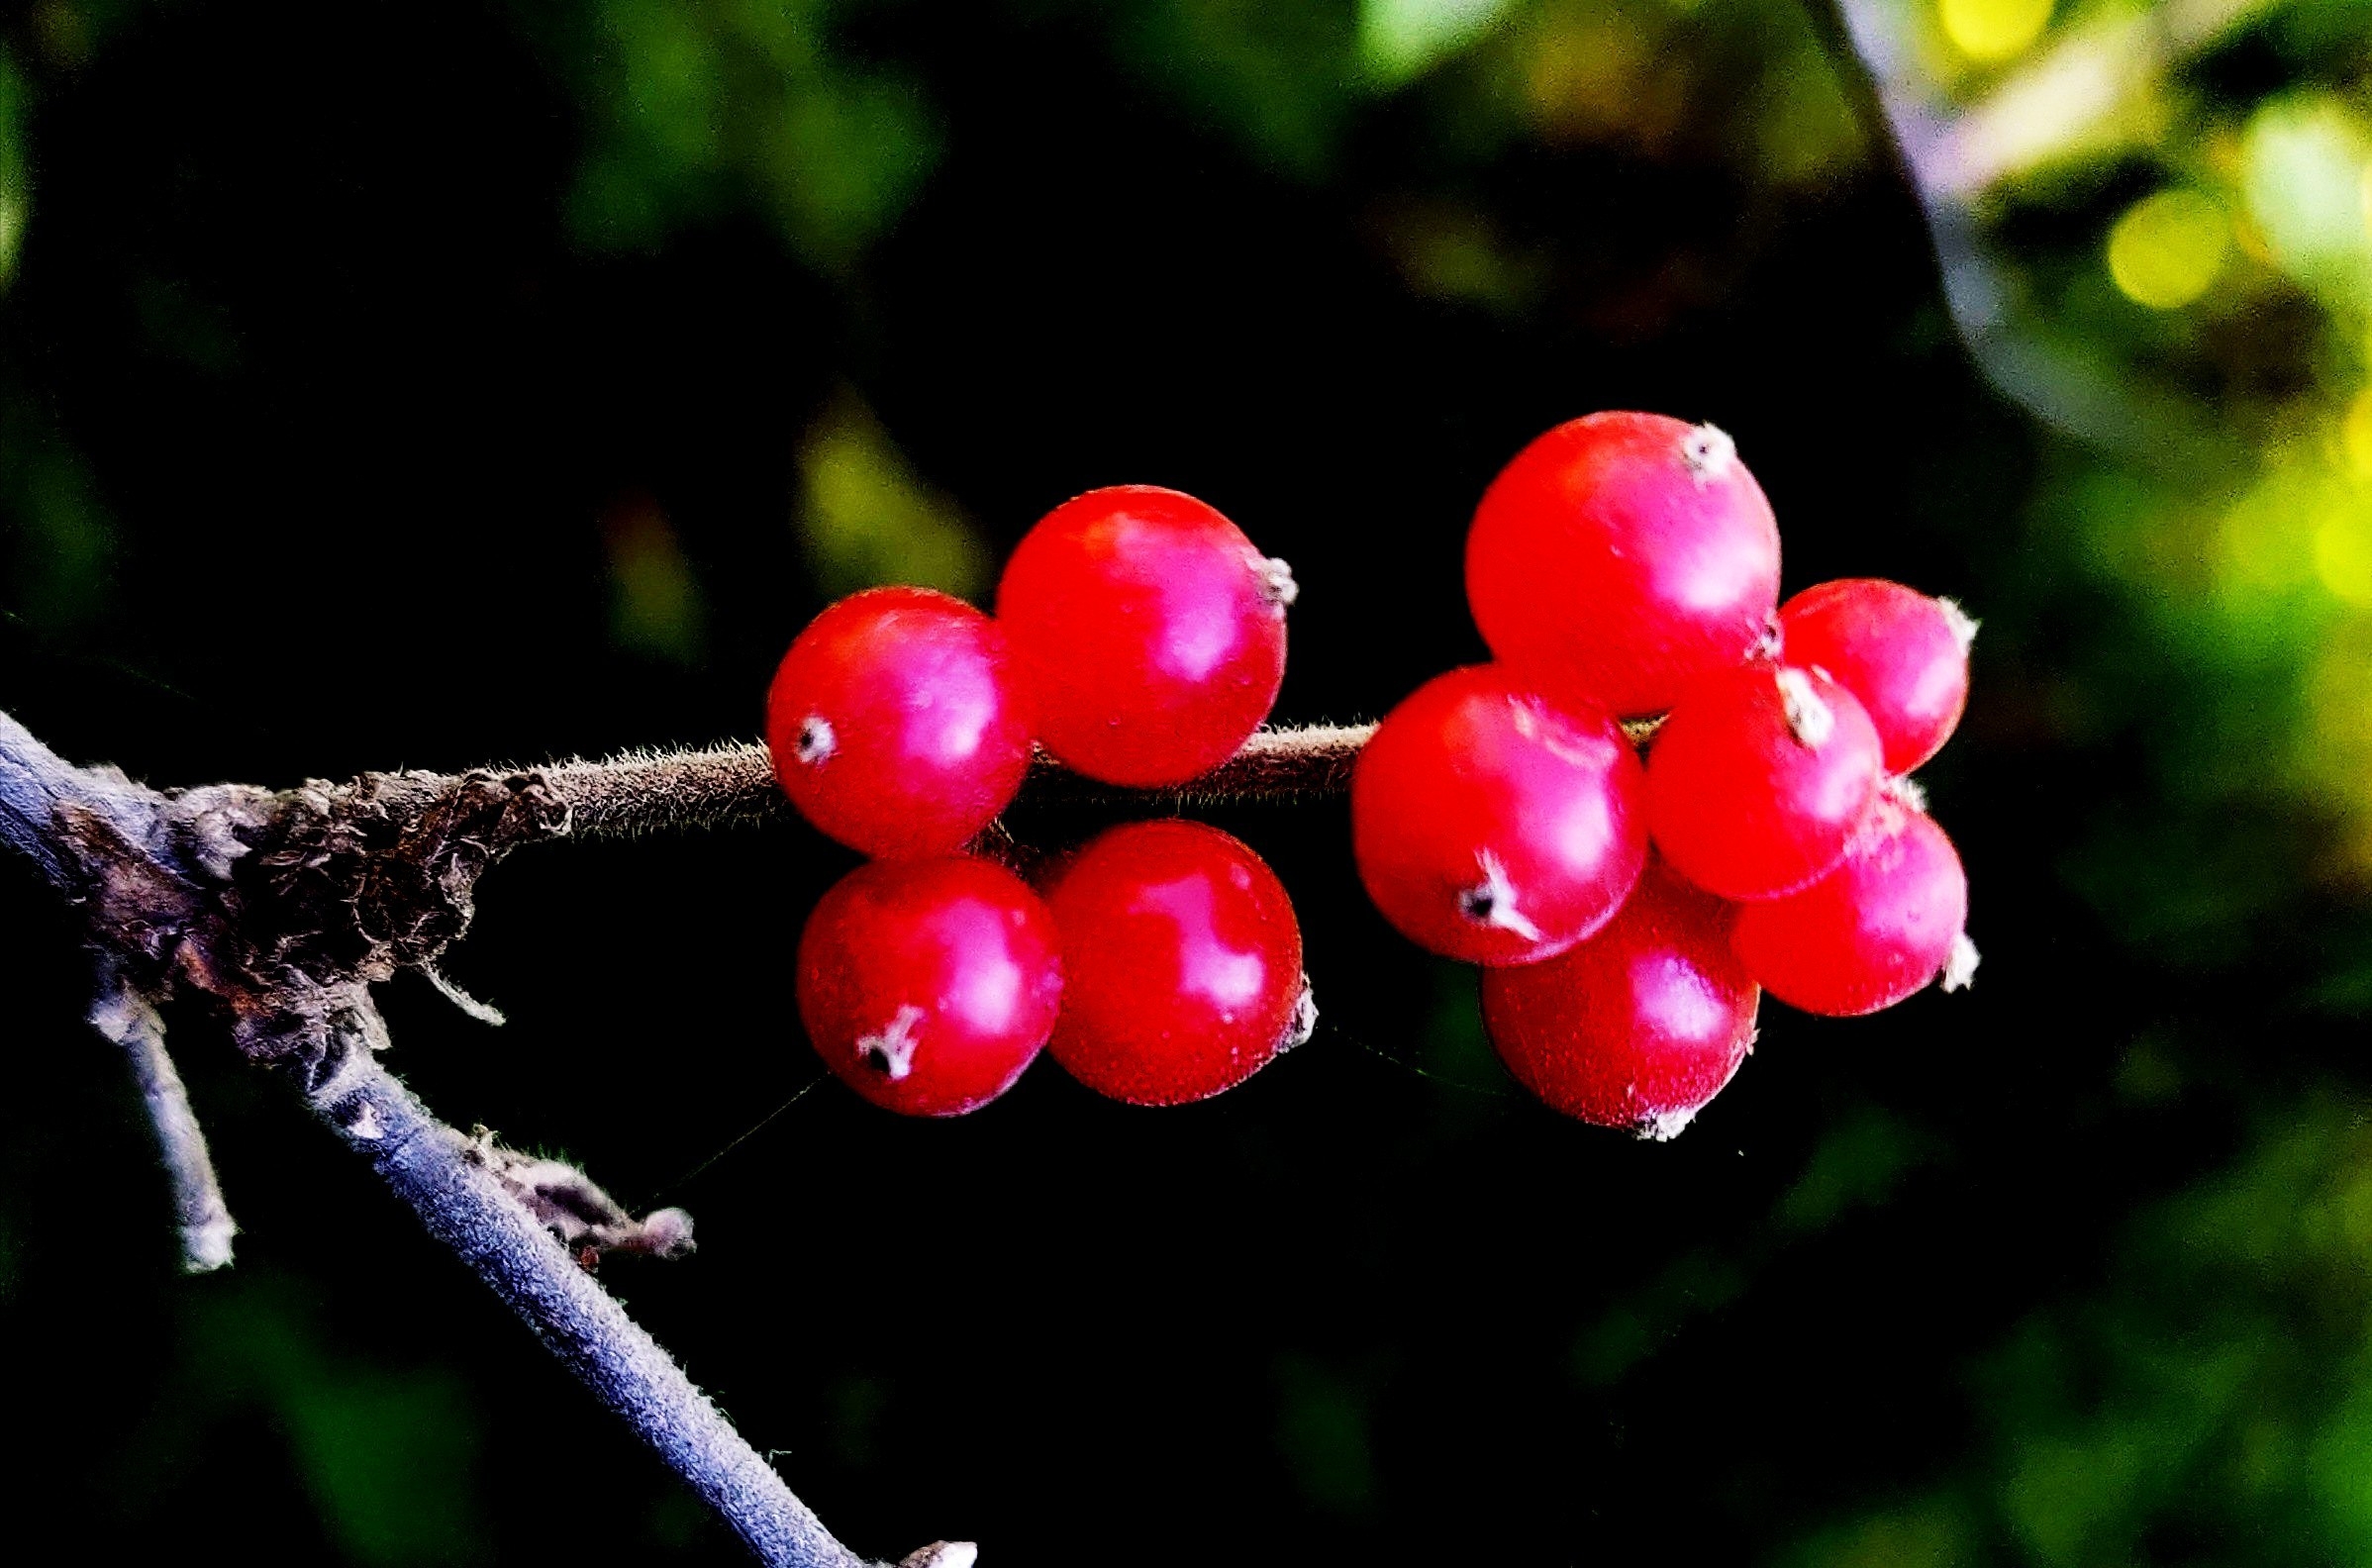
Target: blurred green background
[(434, 383)]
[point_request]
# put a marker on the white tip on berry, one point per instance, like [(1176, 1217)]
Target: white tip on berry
[(1276, 581), (1904, 792), (1707, 452), (1664, 1126), (1304, 1022), (1961, 970), (1492, 901), (1963, 623), (1811, 720), (817, 742), (891, 1051)]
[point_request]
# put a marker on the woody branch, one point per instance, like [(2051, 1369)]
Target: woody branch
[(278, 910)]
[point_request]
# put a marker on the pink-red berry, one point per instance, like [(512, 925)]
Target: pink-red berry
[(1904, 654), (1152, 632), (1183, 963), (1620, 556), (1758, 778), (1494, 824), (897, 722), (1884, 922), (928, 985), (1638, 1027)]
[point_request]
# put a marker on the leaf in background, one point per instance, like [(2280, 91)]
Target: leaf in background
[(1400, 39), (869, 519), (2215, 1388), (390, 1455), (1278, 80), (61, 540), (704, 109), (656, 604), (16, 192)]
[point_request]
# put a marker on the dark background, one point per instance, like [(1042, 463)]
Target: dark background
[(432, 384)]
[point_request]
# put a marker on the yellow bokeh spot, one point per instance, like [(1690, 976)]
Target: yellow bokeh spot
[(1403, 39), (2167, 250), (2355, 435), (2303, 169), (1993, 30), (2343, 559), (870, 519)]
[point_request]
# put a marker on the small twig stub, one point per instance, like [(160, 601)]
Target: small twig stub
[(574, 1208)]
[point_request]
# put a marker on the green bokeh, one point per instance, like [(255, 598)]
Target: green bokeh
[(786, 236)]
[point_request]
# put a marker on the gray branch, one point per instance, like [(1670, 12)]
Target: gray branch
[(130, 1021), (52, 813), (37, 785), (1951, 158), (279, 910), (465, 1203)]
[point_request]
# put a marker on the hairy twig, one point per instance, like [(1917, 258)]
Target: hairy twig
[(1275, 767), (637, 793), (724, 786)]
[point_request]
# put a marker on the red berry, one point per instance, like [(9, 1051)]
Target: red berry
[(928, 985), (1152, 632), (1758, 778), (1638, 1026), (1184, 963), (1622, 556), (1494, 824), (1881, 925), (1903, 653), (897, 722)]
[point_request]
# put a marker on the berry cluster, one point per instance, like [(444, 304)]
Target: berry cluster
[(1622, 567), (1138, 638)]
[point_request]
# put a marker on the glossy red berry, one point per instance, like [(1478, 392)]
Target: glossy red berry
[(1493, 824), (1152, 632), (1886, 922), (1904, 654), (1758, 778), (1184, 963), (897, 722), (1620, 556), (928, 985), (1638, 1027)]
